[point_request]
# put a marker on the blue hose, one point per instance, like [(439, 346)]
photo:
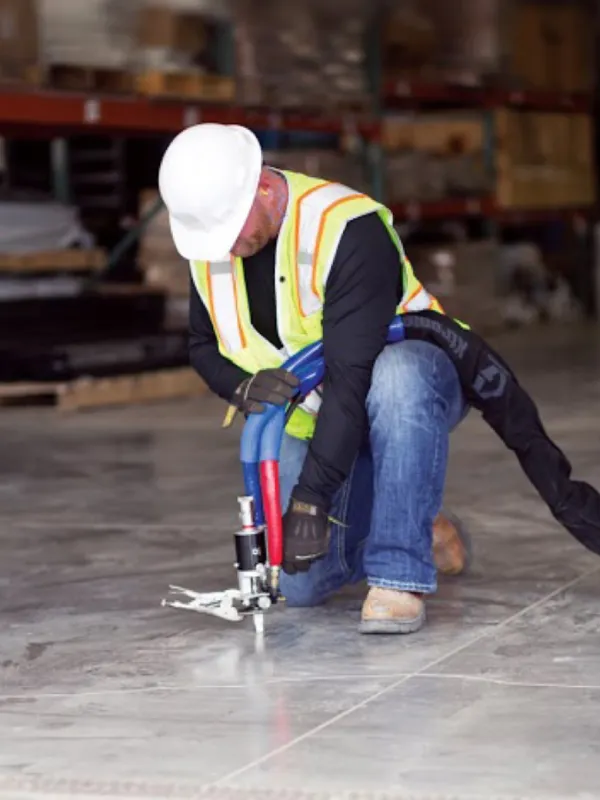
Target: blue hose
[(263, 433)]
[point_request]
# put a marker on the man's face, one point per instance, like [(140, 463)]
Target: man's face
[(256, 232)]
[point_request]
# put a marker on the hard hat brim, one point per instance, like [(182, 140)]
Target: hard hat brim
[(196, 244)]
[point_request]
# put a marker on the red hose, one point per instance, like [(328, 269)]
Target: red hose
[(269, 484)]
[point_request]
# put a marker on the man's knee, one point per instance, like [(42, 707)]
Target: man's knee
[(412, 375), (301, 590)]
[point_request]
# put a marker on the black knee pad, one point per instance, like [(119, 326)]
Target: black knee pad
[(490, 386)]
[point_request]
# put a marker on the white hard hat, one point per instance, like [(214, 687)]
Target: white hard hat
[(208, 180)]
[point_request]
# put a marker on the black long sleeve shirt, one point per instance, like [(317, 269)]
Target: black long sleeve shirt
[(361, 295)]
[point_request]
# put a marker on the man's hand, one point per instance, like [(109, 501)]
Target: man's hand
[(305, 536), (275, 386)]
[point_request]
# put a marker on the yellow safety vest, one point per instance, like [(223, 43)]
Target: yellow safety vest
[(316, 217)]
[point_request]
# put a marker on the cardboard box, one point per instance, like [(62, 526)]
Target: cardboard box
[(163, 28), (161, 264), (408, 42), (19, 37), (544, 160), (551, 47), (445, 134)]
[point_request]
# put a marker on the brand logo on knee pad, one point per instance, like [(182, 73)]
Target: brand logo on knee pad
[(491, 380), (457, 344)]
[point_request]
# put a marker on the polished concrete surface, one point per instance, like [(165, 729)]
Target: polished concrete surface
[(103, 693)]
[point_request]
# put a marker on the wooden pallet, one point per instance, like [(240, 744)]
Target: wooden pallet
[(20, 73), (190, 85), (77, 78), (70, 260), (122, 390)]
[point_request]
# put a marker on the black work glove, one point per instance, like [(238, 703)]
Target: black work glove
[(305, 536), (275, 386)]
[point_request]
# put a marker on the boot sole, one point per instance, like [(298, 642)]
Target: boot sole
[(392, 626)]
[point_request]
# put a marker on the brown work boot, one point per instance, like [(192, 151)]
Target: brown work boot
[(450, 546), (392, 611)]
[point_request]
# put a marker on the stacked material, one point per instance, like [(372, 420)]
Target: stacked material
[(91, 33), (408, 42), (157, 34), (544, 160), (551, 46), (161, 264), (469, 38), (179, 36), (435, 157), (526, 44), (464, 278), (328, 164), (19, 40), (28, 227), (309, 54)]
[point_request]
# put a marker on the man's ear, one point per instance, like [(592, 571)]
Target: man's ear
[(263, 183)]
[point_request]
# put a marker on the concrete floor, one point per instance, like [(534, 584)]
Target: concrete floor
[(103, 693)]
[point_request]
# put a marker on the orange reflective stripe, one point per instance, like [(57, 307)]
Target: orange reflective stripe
[(322, 222), (211, 303), (412, 297), (237, 305), (297, 238)]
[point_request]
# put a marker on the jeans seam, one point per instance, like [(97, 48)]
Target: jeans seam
[(445, 405), (440, 409), (403, 586)]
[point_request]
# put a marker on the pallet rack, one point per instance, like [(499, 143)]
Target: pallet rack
[(56, 114)]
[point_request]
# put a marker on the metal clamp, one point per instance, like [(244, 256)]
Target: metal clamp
[(230, 604)]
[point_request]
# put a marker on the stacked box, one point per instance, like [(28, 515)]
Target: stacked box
[(435, 156), (408, 42), (161, 264), (145, 34), (88, 33), (544, 160), (470, 39), (552, 46), (328, 164), (308, 54), (171, 38), (522, 44), (19, 40)]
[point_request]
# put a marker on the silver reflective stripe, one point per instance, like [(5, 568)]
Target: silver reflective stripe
[(310, 212), (309, 302), (227, 321), (420, 302)]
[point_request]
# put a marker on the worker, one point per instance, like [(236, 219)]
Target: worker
[(279, 260)]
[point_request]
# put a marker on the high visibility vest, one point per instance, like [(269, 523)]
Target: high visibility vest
[(317, 214)]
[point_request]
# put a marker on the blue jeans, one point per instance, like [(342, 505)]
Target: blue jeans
[(395, 488)]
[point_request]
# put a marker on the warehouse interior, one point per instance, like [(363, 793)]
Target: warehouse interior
[(475, 122)]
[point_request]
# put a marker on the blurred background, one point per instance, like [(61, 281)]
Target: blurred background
[(474, 120)]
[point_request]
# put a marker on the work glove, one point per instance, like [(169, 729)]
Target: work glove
[(275, 386), (306, 536)]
